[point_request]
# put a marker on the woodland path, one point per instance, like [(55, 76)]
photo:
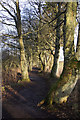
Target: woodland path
[(23, 103)]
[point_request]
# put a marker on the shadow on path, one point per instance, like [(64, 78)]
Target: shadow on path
[(23, 103)]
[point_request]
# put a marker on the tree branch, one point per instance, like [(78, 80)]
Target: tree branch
[(8, 12), (7, 23)]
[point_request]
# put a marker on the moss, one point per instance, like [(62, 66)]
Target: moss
[(63, 99), (65, 77), (3, 89), (19, 81), (72, 64), (49, 97), (78, 65), (41, 103), (27, 80)]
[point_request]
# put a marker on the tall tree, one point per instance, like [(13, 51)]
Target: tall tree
[(16, 17), (61, 90), (57, 44), (24, 67), (68, 31)]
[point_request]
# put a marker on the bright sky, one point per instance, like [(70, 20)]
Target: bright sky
[(61, 58), (75, 36)]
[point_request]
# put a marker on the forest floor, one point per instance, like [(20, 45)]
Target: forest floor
[(21, 101)]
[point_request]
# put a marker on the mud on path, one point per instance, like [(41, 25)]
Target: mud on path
[(23, 103)]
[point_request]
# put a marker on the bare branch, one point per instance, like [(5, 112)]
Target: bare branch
[(8, 11), (7, 35), (7, 23), (10, 45)]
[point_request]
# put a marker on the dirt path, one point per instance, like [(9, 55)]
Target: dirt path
[(23, 103)]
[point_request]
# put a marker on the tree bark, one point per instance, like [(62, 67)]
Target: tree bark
[(68, 31), (42, 63), (30, 61), (62, 89), (24, 68), (57, 46)]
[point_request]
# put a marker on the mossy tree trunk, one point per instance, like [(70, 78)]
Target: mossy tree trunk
[(42, 63), (68, 31), (45, 61), (57, 45), (24, 68), (61, 90), (48, 63), (78, 52), (30, 61)]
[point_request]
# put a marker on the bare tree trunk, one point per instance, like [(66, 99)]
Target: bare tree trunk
[(57, 46), (42, 64), (24, 68), (68, 32), (62, 89), (30, 61)]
